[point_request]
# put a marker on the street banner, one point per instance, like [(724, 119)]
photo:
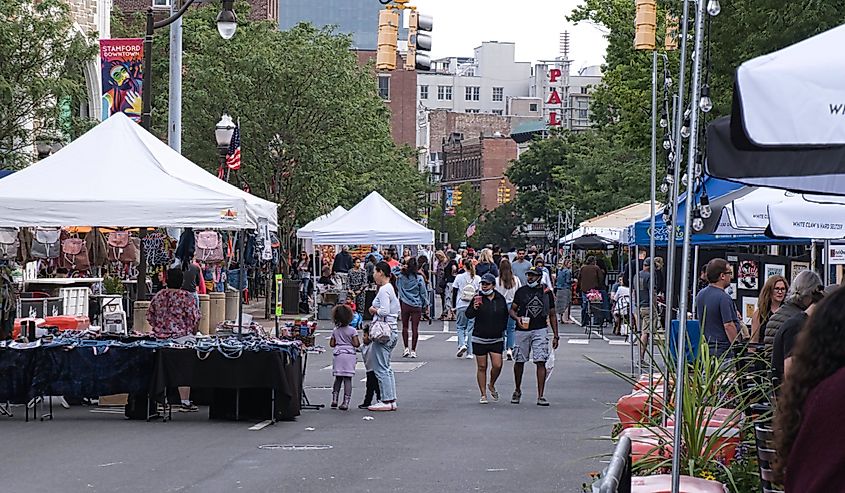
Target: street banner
[(121, 65)]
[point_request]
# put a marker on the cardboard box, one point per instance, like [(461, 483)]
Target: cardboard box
[(114, 400)]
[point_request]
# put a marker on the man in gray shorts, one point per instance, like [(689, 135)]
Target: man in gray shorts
[(533, 310)]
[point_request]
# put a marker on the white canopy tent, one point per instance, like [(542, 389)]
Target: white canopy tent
[(373, 221), (612, 225), (306, 233), (118, 174)]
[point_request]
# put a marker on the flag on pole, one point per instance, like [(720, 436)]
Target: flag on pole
[(233, 156), (471, 229)]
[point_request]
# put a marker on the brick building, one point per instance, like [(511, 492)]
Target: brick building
[(481, 161), (399, 91)]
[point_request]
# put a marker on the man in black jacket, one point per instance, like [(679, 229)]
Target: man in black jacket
[(342, 261)]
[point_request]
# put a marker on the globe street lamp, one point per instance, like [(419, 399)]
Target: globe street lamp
[(227, 23), (223, 133)]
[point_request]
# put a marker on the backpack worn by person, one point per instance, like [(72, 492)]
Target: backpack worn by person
[(468, 292), (9, 244), (46, 244), (209, 247)]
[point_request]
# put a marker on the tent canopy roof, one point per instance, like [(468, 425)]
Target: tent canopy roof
[(611, 225), (118, 174), (307, 231), (374, 220)]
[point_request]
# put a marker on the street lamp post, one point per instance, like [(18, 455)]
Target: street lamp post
[(223, 133), (227, 23)]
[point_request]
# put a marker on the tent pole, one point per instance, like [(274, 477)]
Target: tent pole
[(692, 150), (826, 262), (639, 318), (651, 238), (632, 322), (695, 284), (142, 268), (671, 252), (241, 279)]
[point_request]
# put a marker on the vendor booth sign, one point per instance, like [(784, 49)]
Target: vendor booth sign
[(837, 254), (121, 63)]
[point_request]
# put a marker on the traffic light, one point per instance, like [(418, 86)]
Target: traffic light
[(456, 197), (388, 33), (419, 42), (646, 25), (507, 195)]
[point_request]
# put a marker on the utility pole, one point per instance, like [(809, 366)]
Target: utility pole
[(174, 114)]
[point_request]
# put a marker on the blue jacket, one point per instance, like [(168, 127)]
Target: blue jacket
[(564, 279), (412, 291)]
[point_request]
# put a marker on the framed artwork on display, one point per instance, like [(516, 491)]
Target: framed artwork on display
[(797, 267), (749, 305), (731, 290), (774, 270), (748, 275)]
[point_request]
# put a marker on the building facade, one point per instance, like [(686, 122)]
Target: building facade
[(358, 18), (480, 161), (481, 84), (565, 97), (398, 90)]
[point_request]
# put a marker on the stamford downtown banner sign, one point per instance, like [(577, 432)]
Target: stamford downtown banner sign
[(121, 64)]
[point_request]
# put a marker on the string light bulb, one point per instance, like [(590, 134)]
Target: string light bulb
[(706, 210), (714, 7), (697, 222), (667, 142), (705, 104), (664, 122)]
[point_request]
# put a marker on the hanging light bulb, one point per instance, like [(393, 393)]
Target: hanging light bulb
[(664, 122), (713, 7), (670, 176), (670, 157), (705, 104), (697, 222), (698, 167), (684, 179), (685, 132), (667, 218), (667, 82), (667, 142), (664, 187), (706, 210)]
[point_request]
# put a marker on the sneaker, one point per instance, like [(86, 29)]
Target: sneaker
[(461, 351), (413, 354), (190, 408), (541, 401), (469, 356), (494, 393), (383, 406), (406, 353), (509, 354), (483, 400), (363, 406), (517, 395)]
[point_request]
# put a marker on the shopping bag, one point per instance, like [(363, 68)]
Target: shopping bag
[(550, 365)]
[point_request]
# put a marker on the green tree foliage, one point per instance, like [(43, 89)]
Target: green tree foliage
[(500, 227), (315, 133), (41, 57), (465, 214)]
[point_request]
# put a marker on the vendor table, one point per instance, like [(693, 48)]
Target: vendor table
[(63, 281), (141, 371)]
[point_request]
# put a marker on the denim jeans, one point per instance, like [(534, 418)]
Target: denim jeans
[(464, 326), (381, 365), (510, 333), (585, 307)]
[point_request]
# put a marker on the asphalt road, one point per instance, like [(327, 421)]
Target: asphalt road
[(440, 440)]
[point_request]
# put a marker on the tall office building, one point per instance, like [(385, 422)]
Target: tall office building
[(356, 17)]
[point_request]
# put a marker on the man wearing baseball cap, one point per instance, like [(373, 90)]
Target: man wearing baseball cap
[(531, 308)]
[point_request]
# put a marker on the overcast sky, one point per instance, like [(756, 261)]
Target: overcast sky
[(534, 25)]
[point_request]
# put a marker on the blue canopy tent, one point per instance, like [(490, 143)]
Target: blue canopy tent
[(638, 233)]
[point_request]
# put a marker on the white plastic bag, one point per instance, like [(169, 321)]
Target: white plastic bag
[(550, 365)]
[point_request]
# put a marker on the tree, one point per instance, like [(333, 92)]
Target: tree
[(500, 227), (40, 75), (465, 214), (315, 133)]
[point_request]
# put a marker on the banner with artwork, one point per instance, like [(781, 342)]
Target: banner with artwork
[(121, 64)]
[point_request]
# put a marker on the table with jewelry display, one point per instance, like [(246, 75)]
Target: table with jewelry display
[(242, 377)]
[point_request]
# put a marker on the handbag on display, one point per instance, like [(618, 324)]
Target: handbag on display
[(97, 248), (155, 250), (209, 247), (74, 254), (121, 247), (45, 243), (380, 331), (9, 244)]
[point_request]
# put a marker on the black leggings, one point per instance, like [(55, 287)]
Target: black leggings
[(372, 388)]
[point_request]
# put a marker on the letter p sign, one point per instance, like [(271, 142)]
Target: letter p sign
[(554, 74)]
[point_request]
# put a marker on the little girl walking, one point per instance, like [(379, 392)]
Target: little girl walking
[(344, 341)]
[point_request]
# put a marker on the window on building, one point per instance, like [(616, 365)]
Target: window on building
[(423, 92), (473, 94), (384, 87), (584, 90), (532, 107), (444, 93), (498, 93), (473, 111), (161, 3), (582, 114), (498, 112)]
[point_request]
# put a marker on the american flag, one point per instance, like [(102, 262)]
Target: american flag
[(471, 229), (233, 156)]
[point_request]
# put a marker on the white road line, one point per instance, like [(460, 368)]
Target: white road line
[(425, 337), (619, 343), (260, 426), (445, 326), (452, 339), (600, 335), (578, 341)]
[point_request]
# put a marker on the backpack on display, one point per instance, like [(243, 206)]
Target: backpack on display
[(9, 244), (209, 247), (46, 244), (121, 247), (155, 250), (468, 292), (74, 254)]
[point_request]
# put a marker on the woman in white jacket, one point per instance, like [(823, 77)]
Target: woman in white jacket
[(385, 308), (463, 324)]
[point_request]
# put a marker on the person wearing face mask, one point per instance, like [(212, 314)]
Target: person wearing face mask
[(531, 307), (489, 309)]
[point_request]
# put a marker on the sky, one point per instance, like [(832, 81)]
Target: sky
[(534, 25)]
